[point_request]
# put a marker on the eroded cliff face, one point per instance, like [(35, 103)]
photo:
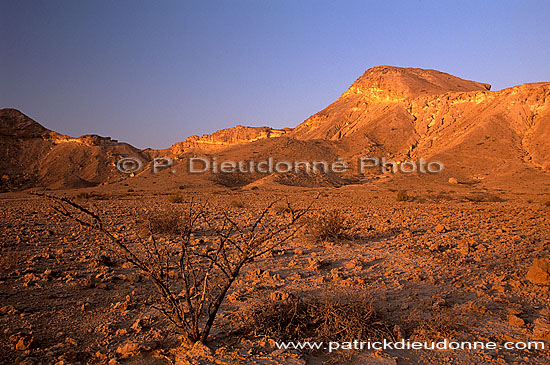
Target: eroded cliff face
[(377, 93), (36, 156), (225, 138), (424, 113), (401, 113)]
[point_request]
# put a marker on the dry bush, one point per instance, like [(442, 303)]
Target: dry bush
[(402, 196), (484, 197), (329, 225), (441, 196), (9, 260), (83, 196), (175, 198), (162, 222), (280, 208), (433, 325), (192, 276), (236, 203), (91, 196), (334, 316)]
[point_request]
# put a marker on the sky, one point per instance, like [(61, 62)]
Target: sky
[(152, 73)]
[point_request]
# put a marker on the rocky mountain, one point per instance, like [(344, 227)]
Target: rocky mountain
[(413, 113), (33, 155), (396, 113), (225, 138)]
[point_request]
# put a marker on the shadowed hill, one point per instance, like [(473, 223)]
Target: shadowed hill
[(36, 156)]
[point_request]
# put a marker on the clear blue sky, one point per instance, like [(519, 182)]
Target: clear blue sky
[(154, 72)]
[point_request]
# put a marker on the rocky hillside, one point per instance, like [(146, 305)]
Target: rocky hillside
[(35, 156), (397, 113), (413, 113), (225, 138)]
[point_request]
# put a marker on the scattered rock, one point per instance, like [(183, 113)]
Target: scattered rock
[(453, 180), (138, 325), (8, 309), (279, 295), (541, 329), (539, 272), (515, 320), (25, 342), (441, 228), (131, 349)]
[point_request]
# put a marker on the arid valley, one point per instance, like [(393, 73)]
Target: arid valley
[(101, 265)]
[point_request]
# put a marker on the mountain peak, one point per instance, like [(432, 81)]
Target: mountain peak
[(16, 124), (391, 83)]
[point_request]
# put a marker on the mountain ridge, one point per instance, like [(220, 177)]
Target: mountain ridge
[(399, 113)]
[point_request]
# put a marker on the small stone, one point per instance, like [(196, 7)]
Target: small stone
[(539, 272), (8, 309), (25, 342), (515, 320), (440, 228), (541, 329), (453, 180), (278, 295), (138, 325), (130, 349)]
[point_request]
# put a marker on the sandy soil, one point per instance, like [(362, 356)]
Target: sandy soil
[(449, 263)]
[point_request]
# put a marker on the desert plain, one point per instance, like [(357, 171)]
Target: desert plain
[(461, 254)]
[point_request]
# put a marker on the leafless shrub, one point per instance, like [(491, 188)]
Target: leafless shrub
[(83, 196), (193, 276), (280, 208), (9, 260), (163, 222), (338, 316), (236, 203), (484, 197), (175, 198), (433, 325), (402, 196), (329, 225)]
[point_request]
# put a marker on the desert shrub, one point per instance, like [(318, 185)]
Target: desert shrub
[(175, 198), (91, 196), (329, 225), (281, 208), (484, 197), (334, 316), (192, 276), (401, 196), (236, 203), (433, 325), (83, 196), (9, 260), (162, 222)]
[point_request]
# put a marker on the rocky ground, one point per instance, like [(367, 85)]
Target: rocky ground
[(452, 262)]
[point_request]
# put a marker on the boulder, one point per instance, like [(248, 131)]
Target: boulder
[(539, 272)]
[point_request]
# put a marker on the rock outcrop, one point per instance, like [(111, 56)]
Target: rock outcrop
[(225, 138), (399, 113)]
